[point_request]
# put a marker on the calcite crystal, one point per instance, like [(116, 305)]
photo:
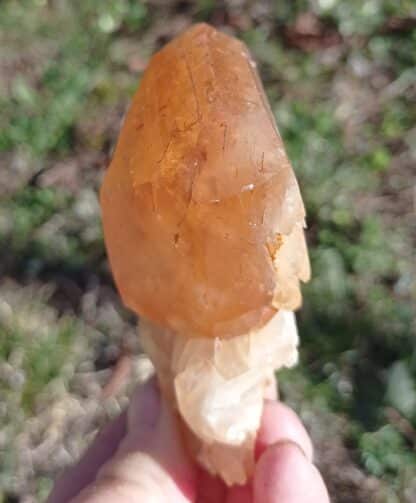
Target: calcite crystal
[(200, 200), (203, 223), (217, 385)]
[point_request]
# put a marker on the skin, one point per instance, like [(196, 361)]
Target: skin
[(140, 458)]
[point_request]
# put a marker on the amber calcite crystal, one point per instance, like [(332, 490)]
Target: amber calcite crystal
[(202, 212), (203, 223)]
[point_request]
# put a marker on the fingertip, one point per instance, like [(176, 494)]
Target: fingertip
[(145, 406), (284, 475), (280, 423)]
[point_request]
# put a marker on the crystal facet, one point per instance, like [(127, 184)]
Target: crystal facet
[(202, 212)]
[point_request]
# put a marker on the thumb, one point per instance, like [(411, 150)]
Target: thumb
[(285, 475), (150, 463)]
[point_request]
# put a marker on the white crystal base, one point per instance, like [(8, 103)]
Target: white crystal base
[(218, 385)]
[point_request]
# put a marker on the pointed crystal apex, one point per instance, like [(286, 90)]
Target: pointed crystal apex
[(198, 188)]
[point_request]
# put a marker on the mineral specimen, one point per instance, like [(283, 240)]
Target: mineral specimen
[(202, 212), (203, 222), (217, 385)]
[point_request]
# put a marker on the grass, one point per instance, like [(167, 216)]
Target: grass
[(42, 356), (342, 94)]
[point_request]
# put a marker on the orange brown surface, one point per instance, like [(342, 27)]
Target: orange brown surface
[(200, 199)]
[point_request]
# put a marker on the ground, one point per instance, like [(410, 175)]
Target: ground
[(340, 75)]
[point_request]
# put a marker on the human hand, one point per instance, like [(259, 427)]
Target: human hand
[(140, 457)]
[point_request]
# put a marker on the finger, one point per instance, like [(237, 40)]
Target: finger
[(85, 471), (279, 423), (240, 494), (284, 475), (210, 489), (150, 463), (143, 416), (153, 430)]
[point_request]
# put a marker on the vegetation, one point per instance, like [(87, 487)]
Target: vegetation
[(340, 75)]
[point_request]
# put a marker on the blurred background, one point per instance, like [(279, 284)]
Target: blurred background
[(341, 78)]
